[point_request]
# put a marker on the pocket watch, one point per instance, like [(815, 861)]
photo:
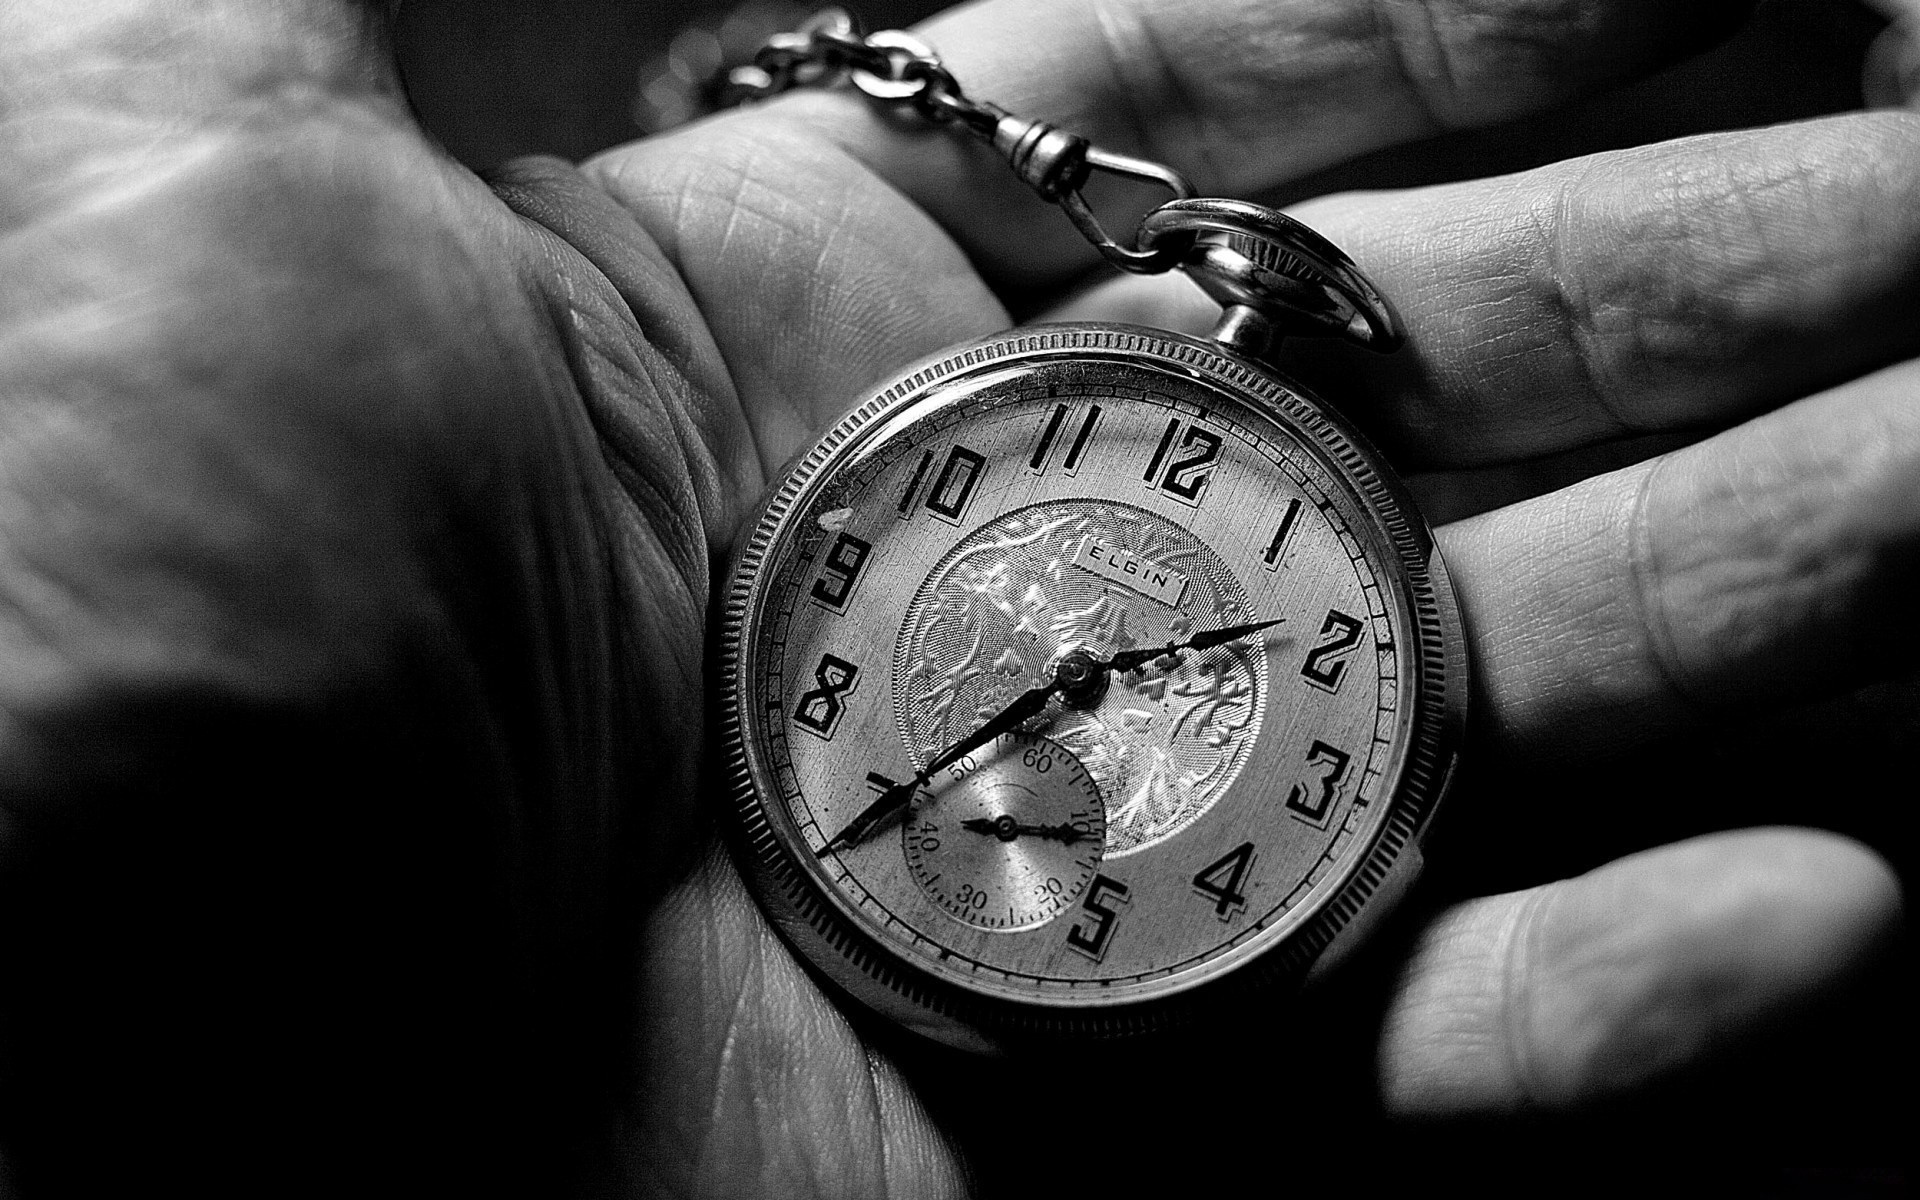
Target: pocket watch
[(1087, 680)]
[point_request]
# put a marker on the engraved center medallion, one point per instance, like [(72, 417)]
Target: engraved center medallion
[(1003, 605)]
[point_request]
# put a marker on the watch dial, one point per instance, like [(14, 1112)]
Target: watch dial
[(936, 563)]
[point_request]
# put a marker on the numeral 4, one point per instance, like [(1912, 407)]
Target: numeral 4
[(1220, 880)]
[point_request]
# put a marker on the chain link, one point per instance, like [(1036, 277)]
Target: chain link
[(898, 70)]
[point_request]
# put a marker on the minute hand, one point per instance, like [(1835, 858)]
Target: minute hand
[(1025, 707), (897, 797)]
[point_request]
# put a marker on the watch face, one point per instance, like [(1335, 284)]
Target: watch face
[(1081, 495)]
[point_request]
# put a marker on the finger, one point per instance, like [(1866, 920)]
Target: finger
[(1771, 563), (818, 278), (1662, 288), (814, 277), (1566, 994), (1240, 94), (1890, 77)]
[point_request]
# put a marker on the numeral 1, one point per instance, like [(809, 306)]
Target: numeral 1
[(1072, 463), (1288, 518), (913, 484)]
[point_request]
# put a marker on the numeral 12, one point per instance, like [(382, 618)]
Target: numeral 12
[(1192, 455)]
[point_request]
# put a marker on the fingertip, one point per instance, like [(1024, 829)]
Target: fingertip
[(1678, 954), (1592, 988)]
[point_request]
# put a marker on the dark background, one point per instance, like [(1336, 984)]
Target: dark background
[(562, 77), (1799, 1111)]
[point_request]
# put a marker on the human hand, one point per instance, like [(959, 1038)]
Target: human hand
[(411, 487)]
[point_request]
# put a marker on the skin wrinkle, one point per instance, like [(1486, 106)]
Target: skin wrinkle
[(689, 510), (878, 1124), (1154, 75), (793, 1020), (1612, 201), (1394, 52), (1777, 549), (676, 509), (750, 980), (878, 1118), (1682, 323), (1646, 591), (1569, 309), (775, 216), (715, 953), (1671, 319), (859, 297), (1200, 132), (1519, 959), (612, 173)]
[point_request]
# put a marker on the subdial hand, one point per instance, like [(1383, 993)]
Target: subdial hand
[(1006, 829), (1077, 674)]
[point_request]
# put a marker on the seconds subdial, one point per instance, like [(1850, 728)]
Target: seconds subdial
[(1011, 836)]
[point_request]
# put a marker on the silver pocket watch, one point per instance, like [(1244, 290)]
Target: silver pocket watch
[(1087, 680)]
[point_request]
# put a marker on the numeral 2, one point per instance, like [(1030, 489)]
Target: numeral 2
[(819, 710), (841, 571), (1185, 477), (1091, 940), (1326, 663)]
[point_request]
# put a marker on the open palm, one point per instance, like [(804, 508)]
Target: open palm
[(360, 520)]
